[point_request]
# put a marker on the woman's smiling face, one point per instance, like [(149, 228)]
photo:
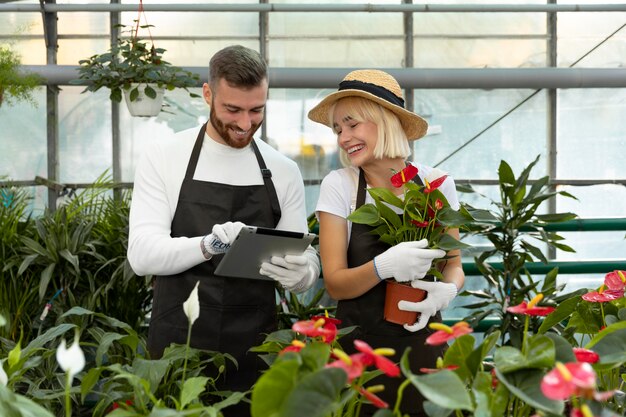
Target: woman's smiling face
[(357, 138)]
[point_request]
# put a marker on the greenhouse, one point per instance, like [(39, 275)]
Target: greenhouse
[(205, 205)]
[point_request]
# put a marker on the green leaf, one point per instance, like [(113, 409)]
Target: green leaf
[(192, 388), (562, 349), (556, 217), (612, 346), (447, 243), (562, 312), (433, 410), (151, 371), (505, 174), (273, 387), (386, 195), (443, 388), (316, 394), (525, 384), (388, 214), (46, 275), (458, 354), (540, 354), (366, 214), (477, 356), (150, 92)]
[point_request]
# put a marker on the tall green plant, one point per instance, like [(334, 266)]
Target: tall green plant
[(513, 226)]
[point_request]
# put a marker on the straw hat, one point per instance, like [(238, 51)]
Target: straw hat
[(379, 87)]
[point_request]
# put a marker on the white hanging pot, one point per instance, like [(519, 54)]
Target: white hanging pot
[(144, 106)]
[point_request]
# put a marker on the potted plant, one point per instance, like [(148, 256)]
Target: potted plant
[(424, 214), (14, 84), (137, 70)]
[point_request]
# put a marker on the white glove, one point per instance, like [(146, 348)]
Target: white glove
[(439, 296), (406, 261), (292, 271), (219, 241)]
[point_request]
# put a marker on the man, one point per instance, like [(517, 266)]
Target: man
[(192, 195)]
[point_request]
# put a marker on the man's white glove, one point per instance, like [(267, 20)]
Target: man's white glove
[(219, 241), (291, 271), (439, 296), (406, 261)]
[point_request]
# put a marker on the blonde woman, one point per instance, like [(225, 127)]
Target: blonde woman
[(373, 132)]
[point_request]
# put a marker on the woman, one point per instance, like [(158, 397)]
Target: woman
[(373, 131)]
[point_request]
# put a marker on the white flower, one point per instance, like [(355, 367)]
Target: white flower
[(71, 360), (434, 174), (191, 307), (3, 375)]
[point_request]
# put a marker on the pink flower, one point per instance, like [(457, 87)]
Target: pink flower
[(445, 333), (602, 295), (419, 224), (564, 381), (404, 176), (615, 280), (321, 327), (586, 355), (353, 365), (531, 308), (377, 357), (373, 398), (295, 346)]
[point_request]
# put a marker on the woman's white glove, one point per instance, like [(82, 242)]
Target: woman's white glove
[(291, 271), (439, 296), (219, 241), (406, 261)]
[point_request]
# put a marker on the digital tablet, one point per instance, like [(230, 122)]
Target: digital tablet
[(255, 245)]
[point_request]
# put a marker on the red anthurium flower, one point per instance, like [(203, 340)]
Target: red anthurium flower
[(438, 204), (419, 224), (445, 333), (327, 318), (531, 308), (615, 280), (586, 355), (353, 365), (433, 185), (602, 295), (564, 381), (583, 411), (327, 330), (295, 346), (404, 176), (377, 357), (373, 398)]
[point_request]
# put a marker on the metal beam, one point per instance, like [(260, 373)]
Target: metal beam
[(444, 78), (366, 7)]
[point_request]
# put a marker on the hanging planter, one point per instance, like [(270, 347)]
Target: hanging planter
[(396, 292), (144, 100), (130, 62)]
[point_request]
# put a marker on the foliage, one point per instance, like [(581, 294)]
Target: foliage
[(75, 255), (14, 84), (509, 227), (130, 61)]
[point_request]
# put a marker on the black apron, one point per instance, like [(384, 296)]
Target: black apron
[(235, 314), (366, 311)]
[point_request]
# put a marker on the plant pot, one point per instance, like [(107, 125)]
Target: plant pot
[(144, 106), (396, 292)]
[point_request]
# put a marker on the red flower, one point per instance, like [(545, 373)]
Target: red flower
[(321, 327), (373, 398), (531, 308), (583, 411), (445, 333), (377, 357), (404, 176), (419, 224), (433, 185), (615, 280), (602, 295), (295, 346), (353, 365), (586, 355), (564, 381), (438, 204)]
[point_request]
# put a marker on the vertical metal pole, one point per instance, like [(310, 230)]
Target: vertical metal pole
[(52, 101), (114, 20), (263, 50), (409, 95), (552, 111)]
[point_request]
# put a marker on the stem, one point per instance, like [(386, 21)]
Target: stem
[(68, 402), (524, 341), (186, 352), (602, 311), (396, 408)]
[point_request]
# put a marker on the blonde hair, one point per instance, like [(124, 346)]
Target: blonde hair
[(392, 141)]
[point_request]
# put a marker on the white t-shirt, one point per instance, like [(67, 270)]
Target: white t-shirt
[(338, 192), (158, 179)]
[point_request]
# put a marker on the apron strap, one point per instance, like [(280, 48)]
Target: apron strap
[(195, 154), (269, 184)]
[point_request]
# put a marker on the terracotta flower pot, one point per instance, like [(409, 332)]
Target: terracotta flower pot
[(396, 292)]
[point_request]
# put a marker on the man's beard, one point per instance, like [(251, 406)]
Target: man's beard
[(225, 130)]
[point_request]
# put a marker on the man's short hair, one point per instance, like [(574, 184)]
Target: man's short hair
[(239, 66)]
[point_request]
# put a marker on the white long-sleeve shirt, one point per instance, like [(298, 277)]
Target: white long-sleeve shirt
[(158, 179)]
